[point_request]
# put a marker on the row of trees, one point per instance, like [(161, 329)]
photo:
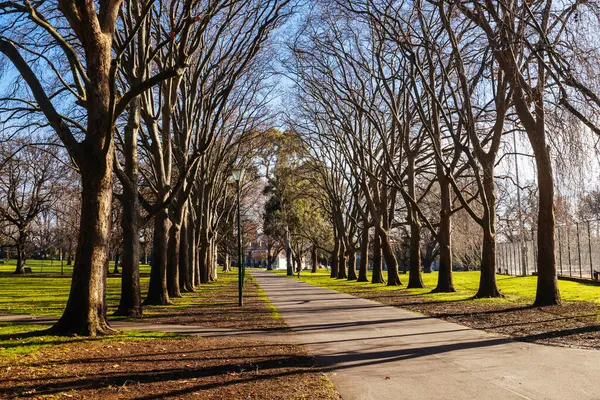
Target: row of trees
[(404, 109), (401, 112), (168, 96)]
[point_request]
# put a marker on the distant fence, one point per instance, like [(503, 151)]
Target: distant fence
[(516, 258), (577, 252)]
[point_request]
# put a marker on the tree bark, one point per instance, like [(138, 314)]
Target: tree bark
[(314, 260), (227, 263), (185, 284), (20, 269), (203, 257), (487, 280), (547, 283), (85, 313), (173, 260), (212, 259), (426, 262), (196, 274), (157, 289), (130, 303), (191, 252), (377, 276), (116, 267), (342, 260), (352, 265), (288, 254), (270, 257), (335, 260), (390, 259), (364, 257), (297, 262), (445, 282), (415, 280)]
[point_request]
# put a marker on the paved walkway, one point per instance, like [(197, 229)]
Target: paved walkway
[(372, 351)]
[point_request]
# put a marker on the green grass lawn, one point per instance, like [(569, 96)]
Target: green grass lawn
[(24, 339), (45, 293), (515, 289), (53, 267)]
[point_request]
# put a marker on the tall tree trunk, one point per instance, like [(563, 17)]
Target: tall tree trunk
[(85, 313), (547, 292), (116, 267), (204, 257), (270, 257), (212, 259), (343, 260), (191, 252), (364, 257), (377, 276), (157, 289), (173, 260), (227, 263), (20, 253), (335, 259), (445, 282), (487, 280), (196, 274), (288, 253), (130, 303), (297, 261), (107, 260), (426, 262), (314, 260), (352, 265), (184, 257), (415, 280), (390, 259)]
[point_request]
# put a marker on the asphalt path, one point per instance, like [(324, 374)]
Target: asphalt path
[(373, 351)]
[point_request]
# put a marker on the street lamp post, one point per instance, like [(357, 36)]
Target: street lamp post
[(238, 175)]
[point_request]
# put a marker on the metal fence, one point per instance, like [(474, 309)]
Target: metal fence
[(516, 258), (577, 252)]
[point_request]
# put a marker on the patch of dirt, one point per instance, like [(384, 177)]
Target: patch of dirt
[(190, 368), (574, 324), (216, 305)]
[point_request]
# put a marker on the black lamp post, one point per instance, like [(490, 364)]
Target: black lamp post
[(238, 175)]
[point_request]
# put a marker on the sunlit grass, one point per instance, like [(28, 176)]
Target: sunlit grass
[(53, 267), (46, 293), (515, 289)]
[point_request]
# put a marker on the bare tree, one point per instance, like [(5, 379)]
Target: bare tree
[(28, 188)]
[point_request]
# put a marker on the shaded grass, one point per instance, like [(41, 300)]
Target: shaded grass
[(28, 339), (216, 304), (519, 290), (203, 368)]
